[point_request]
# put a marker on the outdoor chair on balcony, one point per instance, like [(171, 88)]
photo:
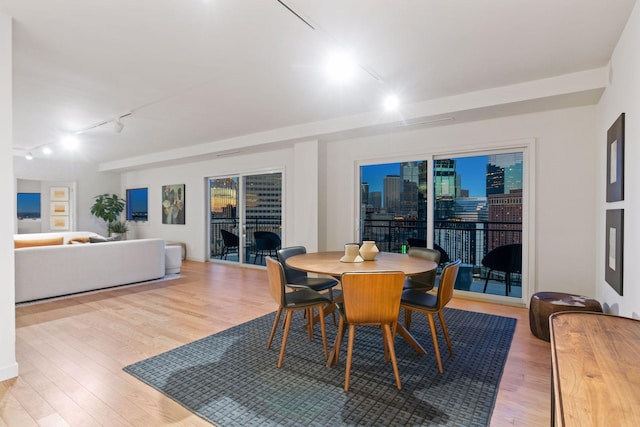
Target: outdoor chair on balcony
[(265, 243), (230, 243), (507, 259)]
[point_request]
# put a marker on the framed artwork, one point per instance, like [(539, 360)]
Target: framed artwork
[(615, 160), (614, 242), (58, 208), (59, 194), (59, 222), (173, 198)]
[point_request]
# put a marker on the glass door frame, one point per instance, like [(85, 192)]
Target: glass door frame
[(527, 147), (244, 255)]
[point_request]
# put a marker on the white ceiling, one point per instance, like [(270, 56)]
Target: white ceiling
[(199, 71)]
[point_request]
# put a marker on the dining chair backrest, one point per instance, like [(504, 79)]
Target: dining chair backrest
[(291, 274), (372, 298), (427, 279), (276, 280), (447, 282)]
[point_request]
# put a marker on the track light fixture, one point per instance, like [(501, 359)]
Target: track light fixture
[(118, 125), (29, 156)]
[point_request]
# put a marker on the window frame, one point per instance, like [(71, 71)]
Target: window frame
[(128, 212)]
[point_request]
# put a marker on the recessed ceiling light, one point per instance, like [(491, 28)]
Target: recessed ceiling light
[(46, 150), (341, 67), (70, 142), (29, 156), (391, 103)]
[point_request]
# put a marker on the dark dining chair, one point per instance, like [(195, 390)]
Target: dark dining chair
[(230, 243), (266, 243), (369, 299), (429, 304), (507, 259), (297, 279), (423, 281), (303, 299), (421, 243)]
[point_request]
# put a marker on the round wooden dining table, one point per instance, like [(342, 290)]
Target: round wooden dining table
[(329, 263)]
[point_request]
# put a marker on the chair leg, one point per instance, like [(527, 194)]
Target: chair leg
[(287, 325), (275, 326), (309, 312), (486, 282), (347, 373), (334, 357), (445, 332), (333, 313), (386, 330), (407, 318), (434, 338), (323, 331)]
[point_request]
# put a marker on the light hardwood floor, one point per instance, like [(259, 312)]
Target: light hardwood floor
[(71, 351)]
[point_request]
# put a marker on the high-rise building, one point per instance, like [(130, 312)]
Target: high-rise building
[(392, 188), (495, 179), (263, 197), (375, 200), (446, 186), (505, 219)]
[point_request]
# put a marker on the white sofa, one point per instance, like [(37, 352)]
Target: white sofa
[(49, 271)]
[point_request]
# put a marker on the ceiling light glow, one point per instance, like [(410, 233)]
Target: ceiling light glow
[(29, 156), (391, 103), (341, 67), (70, 142), (46, 150)]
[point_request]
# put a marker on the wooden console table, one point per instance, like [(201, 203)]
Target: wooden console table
[(596, 369)]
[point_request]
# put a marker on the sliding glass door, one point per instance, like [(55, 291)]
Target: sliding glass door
[(245, 217), (477, 214)]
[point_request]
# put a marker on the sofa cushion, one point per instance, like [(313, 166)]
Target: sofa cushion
[(52, 241), (100, 239), (75, 240)]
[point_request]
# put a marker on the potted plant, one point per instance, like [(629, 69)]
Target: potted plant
[(118, 228), (108, 207)]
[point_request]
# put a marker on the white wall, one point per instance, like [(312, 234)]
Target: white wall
[(622, 96), (8, 365), (88, 184), (564, 181), (193, 175)]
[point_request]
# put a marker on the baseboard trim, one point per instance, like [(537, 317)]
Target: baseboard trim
[(8, 372)]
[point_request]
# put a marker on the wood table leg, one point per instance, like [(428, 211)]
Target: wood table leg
[(402, 331)]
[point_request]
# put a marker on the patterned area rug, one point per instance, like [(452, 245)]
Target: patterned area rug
[(231, 379)]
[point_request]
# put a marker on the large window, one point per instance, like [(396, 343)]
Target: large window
[(393, 204), (137, 204), (476, 216), (28, 205)]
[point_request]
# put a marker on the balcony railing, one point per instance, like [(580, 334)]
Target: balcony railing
[(231, 224), (464, 240)]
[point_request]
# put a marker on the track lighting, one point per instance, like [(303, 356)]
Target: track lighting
[(29, 156), (118, 126)]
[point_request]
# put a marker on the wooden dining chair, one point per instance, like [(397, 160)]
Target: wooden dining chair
[(429, 304), (369, 299), (290, 302)]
